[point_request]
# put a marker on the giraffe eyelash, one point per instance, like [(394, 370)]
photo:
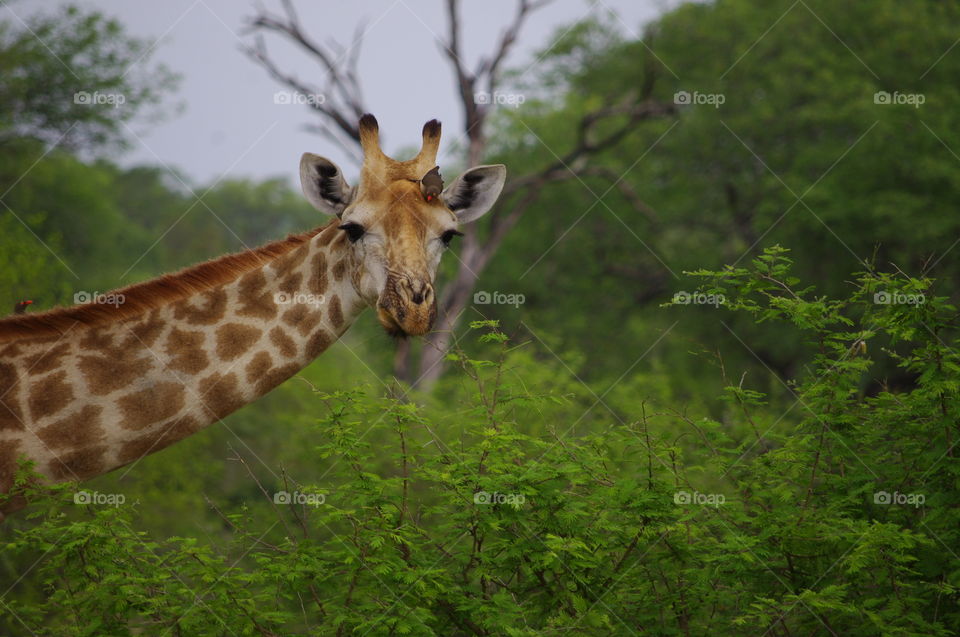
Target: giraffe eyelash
[(448, 236), (354, 231)]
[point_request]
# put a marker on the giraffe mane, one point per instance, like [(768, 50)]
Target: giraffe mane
[(142, 297)]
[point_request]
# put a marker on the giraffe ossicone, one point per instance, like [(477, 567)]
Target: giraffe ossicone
[(89, 388)]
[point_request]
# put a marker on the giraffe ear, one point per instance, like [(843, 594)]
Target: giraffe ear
[(323, 184), (474, 192)]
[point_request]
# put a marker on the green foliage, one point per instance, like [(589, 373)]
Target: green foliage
[(62, 229), (834, 515), (24, 261), (798, 153), (51, 67)]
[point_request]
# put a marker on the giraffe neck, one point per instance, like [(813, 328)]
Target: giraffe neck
[(104, 395)]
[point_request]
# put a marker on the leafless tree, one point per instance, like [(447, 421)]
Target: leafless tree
[(343, 105)]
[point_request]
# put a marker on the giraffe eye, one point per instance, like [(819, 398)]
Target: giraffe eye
[(354, 231), (448, 236)]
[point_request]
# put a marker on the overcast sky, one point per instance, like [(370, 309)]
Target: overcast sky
[(230, 124)]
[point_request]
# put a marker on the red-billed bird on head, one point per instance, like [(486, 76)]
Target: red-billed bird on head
[(21, 307), (431, 185)]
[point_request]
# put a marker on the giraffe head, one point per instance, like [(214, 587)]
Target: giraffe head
[(398, 221)]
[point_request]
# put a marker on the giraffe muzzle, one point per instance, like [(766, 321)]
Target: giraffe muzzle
[(407, 306)]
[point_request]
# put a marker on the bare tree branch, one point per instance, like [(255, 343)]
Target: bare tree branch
[(487, 73), (625, 189), (491, 66), (342, 101)]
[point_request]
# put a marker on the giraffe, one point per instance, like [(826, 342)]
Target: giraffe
[(90, 388)]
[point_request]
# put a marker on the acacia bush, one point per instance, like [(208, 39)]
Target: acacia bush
[(835, 514)]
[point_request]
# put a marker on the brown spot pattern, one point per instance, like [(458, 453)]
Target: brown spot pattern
[(291, 284), (340, 269), (233, 339), (9, 451), (79, 464), (79, 428), (211, 307), (47, 360), (258, 367), (335, 312), (148, 406), (11, 414), (164, 436), (220, 394), (288, 264), (276, 376), (310, 321), (9, 351), (254, 302), (318, 343), (294, 315), (283, 343), (109, 364), (49, 395), (113, 369), (146, 332), (186, 353), (318, 274), (97, 338)]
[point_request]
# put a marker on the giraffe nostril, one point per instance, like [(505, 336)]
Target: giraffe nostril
[(416, 291)]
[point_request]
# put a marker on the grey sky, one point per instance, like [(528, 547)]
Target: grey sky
[(230, 124)]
